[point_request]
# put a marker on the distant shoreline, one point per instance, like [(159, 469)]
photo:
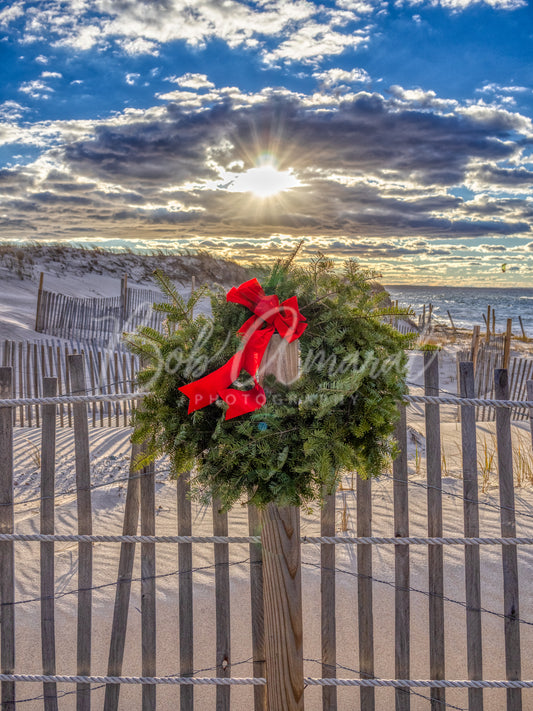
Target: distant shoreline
[(455, 286)]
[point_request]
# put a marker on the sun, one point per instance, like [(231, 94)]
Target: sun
[(265, 180)]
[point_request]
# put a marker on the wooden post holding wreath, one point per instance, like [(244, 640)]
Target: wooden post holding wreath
[(282, 577), (225, 405)]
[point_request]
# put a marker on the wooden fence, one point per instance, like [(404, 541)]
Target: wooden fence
[(490, 356), (98, 319), (107, 370), (344, 684)]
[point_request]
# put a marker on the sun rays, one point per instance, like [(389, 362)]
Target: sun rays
[(264, 180)]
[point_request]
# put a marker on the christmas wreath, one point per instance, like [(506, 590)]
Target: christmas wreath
[(267, 441)]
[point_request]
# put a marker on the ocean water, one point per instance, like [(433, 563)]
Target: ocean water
[(468, 304)]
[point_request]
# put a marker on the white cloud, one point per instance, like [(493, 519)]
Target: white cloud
[(139, 45), (11, 13), (359, 6), (186, 99), (82, 37), (421, 97), (51, 75), (333, 77), (312, 42), (41, 59), (11, 110), (36, 88), (192, 81), (458, 5), (493, 88), (131, 78)]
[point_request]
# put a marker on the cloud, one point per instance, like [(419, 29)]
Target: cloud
[(11, 13), (334, 77), (312, 42), (493, 88), (459, 5), (192, 81), (491, 177), (131, 78), (420, 97), (36, 89), (139, 45), (11, 111), (51, 75)]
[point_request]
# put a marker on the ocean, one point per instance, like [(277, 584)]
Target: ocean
[(468, 304)]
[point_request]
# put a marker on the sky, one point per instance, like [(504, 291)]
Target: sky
[(396, 133)]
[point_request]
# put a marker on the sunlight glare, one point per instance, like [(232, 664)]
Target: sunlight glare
[(264, 181)]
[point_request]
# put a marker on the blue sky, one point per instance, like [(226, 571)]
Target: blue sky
[(399, 133)]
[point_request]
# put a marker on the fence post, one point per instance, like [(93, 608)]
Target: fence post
[(524, 336), (327, 595), (283, 573), (122, 594), (471, 530), (435, 553), (222, 594), (7, 560), (474, 348), (48, 455), (507, 343), (508, 529), (365, 612), (257, 608), (85, 550), (401, 563), (185, 610), (39, 301), (530, 399), (148, 589), (123, 300)]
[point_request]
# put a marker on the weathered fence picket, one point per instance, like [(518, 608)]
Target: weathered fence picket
[(365, 612), (509, 553), (48, 463), (435, 553), (185, 592), (7, 560), (402, 600), (471, 530), (530, 398), (148, 587), (85, 526), (123, 591), (327, 603), (222, 613), (257, 608)]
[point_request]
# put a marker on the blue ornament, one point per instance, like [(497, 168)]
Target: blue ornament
[(262, 426)]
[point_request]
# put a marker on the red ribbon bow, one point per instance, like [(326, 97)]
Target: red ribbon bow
[(269, 316)]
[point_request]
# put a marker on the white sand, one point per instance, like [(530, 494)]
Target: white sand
[(110, 450)]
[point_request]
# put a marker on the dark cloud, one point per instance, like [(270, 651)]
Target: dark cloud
[(491, 176)]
